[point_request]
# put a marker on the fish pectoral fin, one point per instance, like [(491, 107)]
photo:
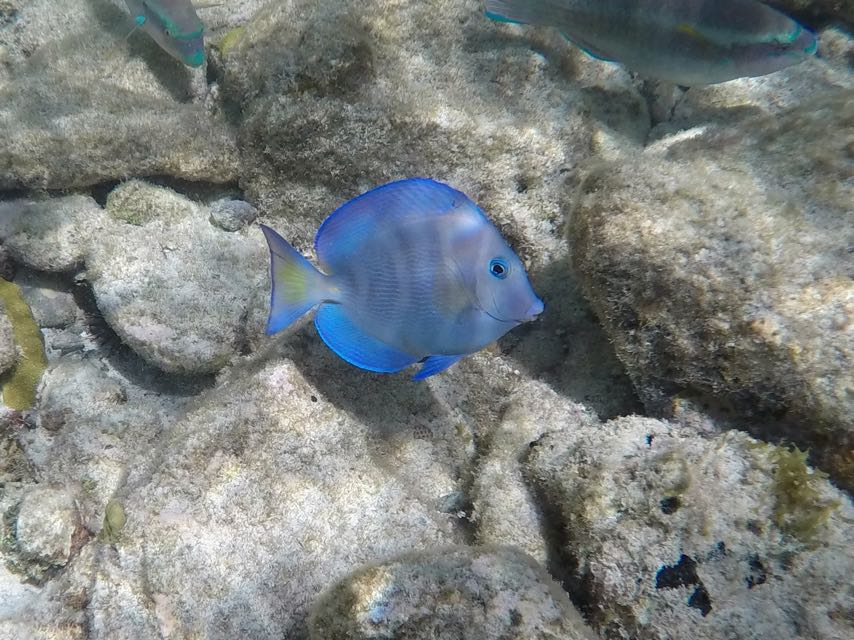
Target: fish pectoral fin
[(451, 295), (435, 364), (352, 344)]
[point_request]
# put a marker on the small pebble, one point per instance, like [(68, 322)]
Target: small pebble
[(232, 215)]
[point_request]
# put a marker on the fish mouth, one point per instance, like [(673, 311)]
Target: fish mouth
[(533, 312), (504, 320)]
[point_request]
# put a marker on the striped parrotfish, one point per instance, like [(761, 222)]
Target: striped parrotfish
[(412, 271), (686, 42), (174, 25)]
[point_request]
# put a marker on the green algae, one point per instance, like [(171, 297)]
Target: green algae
[(19, 385), (799, 510), (114, 521), (231, 39)]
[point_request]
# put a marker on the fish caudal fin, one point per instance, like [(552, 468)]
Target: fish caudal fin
[(296, 285)]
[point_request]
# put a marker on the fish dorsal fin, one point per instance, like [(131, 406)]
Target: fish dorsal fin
[(352, 344), (347, 228)]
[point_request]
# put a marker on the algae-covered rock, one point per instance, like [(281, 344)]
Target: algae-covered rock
[(83, 104), (173, 287), (480, 593), (338, 97), (720, 264), (674, 534), (720, 106), (46, 526), (821, 10), (506, 510), (53, 306), (51, 234)]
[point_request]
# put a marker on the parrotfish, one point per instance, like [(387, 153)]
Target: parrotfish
[(174, 25), (412, 271), (686, 42)]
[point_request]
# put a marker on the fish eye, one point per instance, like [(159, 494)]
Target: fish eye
[(499, 268)]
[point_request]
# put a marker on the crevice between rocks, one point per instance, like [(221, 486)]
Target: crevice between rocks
[(561, 564)]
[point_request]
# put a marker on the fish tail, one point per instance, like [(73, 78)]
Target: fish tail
[(514, 11), (297, 285)]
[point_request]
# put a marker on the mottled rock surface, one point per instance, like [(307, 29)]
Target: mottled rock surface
[(46, 526), (174, 287), (480, 593), (51, 234), (268, 491), (8, 351), (673, 534), (720, 264)]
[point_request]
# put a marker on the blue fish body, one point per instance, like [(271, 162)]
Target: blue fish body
[(412, 271), (687, 42), (174, 25)]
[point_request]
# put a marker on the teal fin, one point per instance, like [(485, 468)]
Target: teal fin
[(353, 345), (513, 11), (435, 364), (499, 18), (296, 285), (590, 50)]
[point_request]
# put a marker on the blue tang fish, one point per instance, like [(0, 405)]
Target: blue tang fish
[(413, 271), (686, 42), (174, 25)]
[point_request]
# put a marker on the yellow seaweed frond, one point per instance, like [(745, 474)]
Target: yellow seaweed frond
[(19, 385)]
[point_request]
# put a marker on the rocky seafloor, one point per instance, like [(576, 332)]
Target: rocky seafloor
[(668, 453)]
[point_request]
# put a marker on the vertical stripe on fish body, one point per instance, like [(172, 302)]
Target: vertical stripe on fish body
[(688, 42), (414, 271), (174, 25)]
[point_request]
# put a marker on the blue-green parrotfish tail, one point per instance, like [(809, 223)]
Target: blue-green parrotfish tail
[(174, 25), (412, 271), (686, 42)]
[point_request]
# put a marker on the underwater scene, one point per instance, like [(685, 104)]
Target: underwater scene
[(426, 319)]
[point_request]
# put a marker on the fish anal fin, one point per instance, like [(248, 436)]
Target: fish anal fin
[(499, 18), (352, 344), (589, 49)]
